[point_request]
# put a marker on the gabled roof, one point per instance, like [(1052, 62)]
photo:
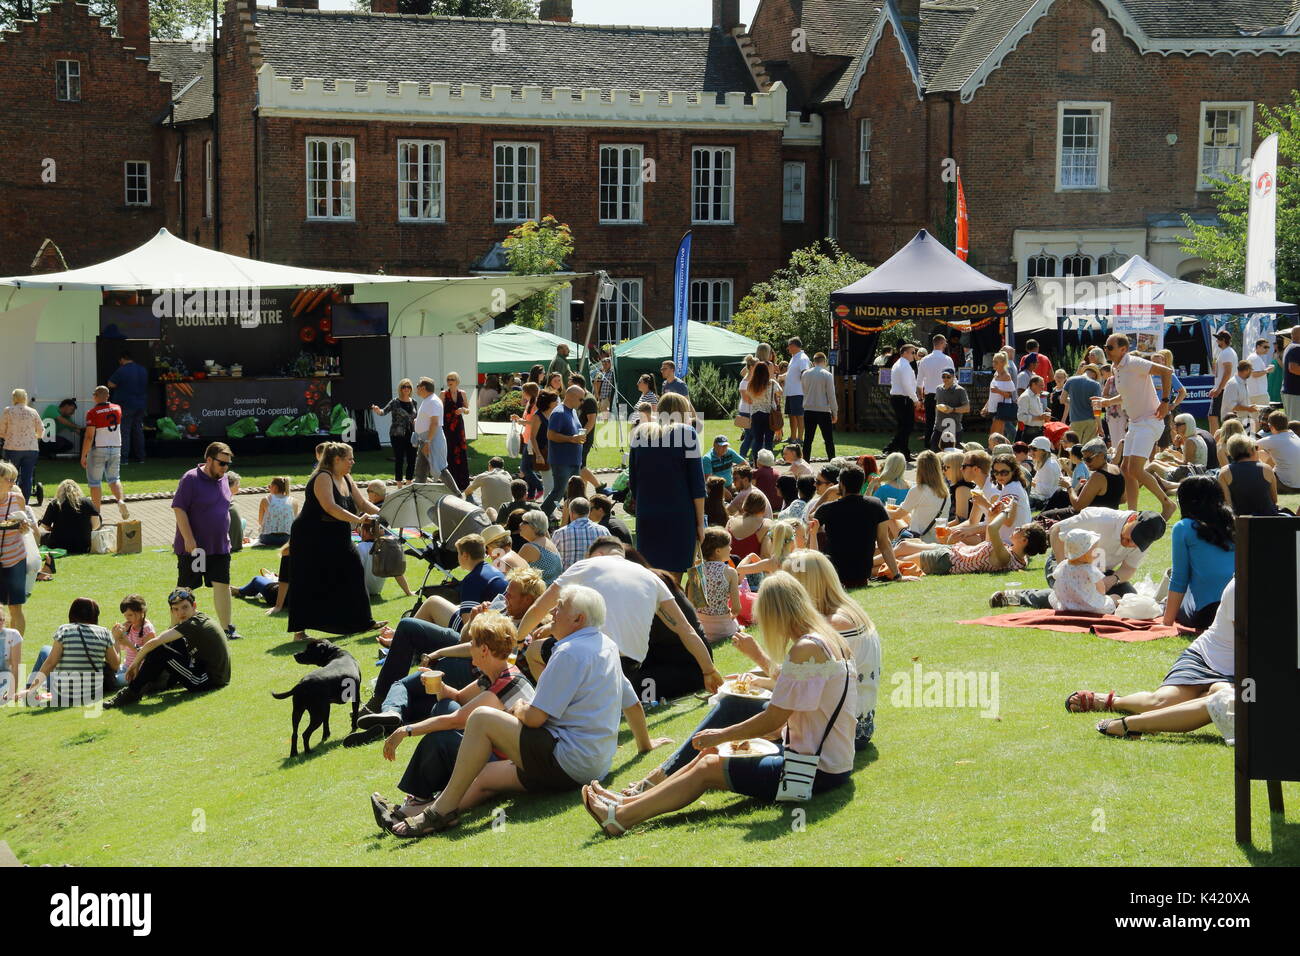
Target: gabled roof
[(837, 27), (335, 44), (841, 87), (1163, 19), (179, 62)]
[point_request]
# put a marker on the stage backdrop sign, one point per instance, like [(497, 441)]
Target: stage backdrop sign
[(212, 406)]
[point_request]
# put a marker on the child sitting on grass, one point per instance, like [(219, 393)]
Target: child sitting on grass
[(1080, 583), (130, 633), (720, 585)]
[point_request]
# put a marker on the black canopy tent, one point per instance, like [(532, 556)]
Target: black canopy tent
[(923, 282)]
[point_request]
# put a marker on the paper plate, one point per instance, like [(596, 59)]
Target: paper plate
[(755, 693), (758, 747)]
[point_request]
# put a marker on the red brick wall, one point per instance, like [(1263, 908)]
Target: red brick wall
[(189, 223), (569, 159), (1011, 126), (237, 89), (84, 210), (772, 32)]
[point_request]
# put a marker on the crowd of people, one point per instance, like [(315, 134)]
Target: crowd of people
[(565, 622)]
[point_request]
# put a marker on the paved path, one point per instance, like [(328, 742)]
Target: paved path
[(159, 524)]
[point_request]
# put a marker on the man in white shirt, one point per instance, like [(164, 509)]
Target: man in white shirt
[(1259, 364), (1236, 397), (902, 396), (1225, 365), (1281, 448), (1146, 418), (929, 377), (799, 363), (432, 443), (1031, 412)]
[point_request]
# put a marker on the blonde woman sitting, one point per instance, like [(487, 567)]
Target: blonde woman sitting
[(814, 699), (889, 485), (925, 503)]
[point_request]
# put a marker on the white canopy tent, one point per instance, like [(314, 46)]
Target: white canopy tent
[(433, 320)]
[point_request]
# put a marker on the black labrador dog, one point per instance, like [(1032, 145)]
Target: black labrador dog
[(337, 680)]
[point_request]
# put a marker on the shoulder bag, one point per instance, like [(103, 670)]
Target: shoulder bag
[(798, 771), (387, 557), (775, 422)]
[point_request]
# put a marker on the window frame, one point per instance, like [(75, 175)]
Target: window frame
[(725, 309), (61, 64), (535, 151), (729, 186), (1047, 256), (636, 186), (832, 198), (209, 185), (618, 301), (1247, 109), (864, 152), (351, 190), (1103, 111), (440, 199), (786, 193), (148, 182)]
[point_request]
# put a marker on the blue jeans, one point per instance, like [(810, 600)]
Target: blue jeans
[(40, 659), (413, 637), (746, 442), (727, 712), (409, 698), (526, 462), (761, 427), (133, 434), (25, 462), (560, 474)]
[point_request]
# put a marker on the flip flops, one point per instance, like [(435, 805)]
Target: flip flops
[(1088, 702)]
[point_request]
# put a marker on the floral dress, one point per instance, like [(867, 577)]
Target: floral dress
[(716, 617), (453, 426)]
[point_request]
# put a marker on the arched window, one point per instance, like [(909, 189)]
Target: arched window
[(1076, 265), (1040, 266), (1110, 262)]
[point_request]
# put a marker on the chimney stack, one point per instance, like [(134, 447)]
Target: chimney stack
[(559, 11), (383, 6), (299, 4), (133, 25), (726, 15)]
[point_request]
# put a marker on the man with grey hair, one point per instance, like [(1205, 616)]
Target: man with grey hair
[(566, 736), (576, 537)]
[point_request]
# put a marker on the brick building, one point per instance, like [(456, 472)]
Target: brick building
[(1083, 128)]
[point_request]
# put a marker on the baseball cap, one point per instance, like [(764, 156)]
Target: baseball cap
[(721, 440), (1150, 528), (1041, 443)]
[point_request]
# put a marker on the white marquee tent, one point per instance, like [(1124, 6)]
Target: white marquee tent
[(48, 323)]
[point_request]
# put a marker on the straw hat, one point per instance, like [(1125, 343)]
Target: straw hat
[(493, 533)]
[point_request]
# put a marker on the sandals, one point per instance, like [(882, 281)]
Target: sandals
[(422, 824), (386, 814), (1088, 702), (638, 788), (1103, 728), (608, 821)]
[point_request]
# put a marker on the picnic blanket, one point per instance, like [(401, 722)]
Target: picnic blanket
[(1079, 622)]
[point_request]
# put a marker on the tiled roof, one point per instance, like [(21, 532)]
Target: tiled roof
[(1206, 19), (968, 41), (941, 26), (455, 50), (838, 27), (178, 61)]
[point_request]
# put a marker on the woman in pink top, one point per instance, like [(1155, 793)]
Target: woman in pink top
[(527, 449), (814, 700)]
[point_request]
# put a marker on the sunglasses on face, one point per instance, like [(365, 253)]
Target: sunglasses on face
[(1001, 471), (222, 462)]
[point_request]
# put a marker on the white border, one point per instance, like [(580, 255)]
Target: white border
[(1103, 145), (1248, 130)]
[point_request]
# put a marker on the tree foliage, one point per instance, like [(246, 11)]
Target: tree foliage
[(1224, 246), (538, 248), (796, 300), (168, 19)]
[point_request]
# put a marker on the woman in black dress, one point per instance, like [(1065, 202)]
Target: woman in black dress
[(666, 480), (454, 405), (329, 584)]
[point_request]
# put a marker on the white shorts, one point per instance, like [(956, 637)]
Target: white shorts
[(1141, 437)]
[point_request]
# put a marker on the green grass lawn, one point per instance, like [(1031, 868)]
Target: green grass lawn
[(206, 780), (161, 474)]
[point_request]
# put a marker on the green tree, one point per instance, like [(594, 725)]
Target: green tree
[(504, 9), (1224, 246), (796, 300), (168, 19), (538, 248)]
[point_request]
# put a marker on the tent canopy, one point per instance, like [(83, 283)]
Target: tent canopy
[(710, 344), (418, 305), (923, 272), (515, 348), (1036, 303), (1145, 284)]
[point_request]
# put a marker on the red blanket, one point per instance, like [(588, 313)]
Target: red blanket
[(1103, 625)]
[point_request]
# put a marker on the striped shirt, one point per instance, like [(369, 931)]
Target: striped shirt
[(83, 647), (576, 537), (12, 546), (978, 558)]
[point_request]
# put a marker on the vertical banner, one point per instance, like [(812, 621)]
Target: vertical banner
[(1261, 239), (681, 304), (963, 223)]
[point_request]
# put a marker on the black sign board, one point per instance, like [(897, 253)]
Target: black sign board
[(211, 406), (1267, 660), (354, 319)]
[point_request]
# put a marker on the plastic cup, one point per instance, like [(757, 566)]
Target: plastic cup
[(432, 681)]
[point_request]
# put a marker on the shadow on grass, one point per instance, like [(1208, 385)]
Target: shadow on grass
[(1284, 839), (317, 749)]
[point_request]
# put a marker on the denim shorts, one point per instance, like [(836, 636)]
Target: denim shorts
[(794, 405), (760, 777), (13, 584), (103, 464)]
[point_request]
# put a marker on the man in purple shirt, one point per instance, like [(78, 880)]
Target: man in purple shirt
[(202, 508)]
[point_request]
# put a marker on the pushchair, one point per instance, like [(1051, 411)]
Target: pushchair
[(455, 518)]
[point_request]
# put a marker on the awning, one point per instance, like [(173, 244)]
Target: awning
[(516, 348)]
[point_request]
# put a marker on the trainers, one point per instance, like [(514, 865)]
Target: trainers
[(122, 698), (232, 634), (1005, 599), (387, 721), (373, 706)]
